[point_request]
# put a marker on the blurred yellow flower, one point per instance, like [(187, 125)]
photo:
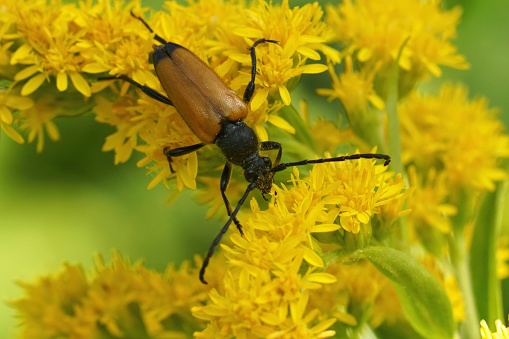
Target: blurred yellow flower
[(462, 137), (374, 32), (118, 299)]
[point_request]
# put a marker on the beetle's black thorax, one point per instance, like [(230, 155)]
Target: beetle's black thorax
[(238, 143)]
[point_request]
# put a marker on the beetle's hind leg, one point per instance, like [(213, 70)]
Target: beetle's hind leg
[(180, 151), (145, 89)]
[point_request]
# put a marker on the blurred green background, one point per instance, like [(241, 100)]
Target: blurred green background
[(71, 201)]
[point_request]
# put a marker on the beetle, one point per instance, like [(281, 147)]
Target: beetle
[(215, 114)]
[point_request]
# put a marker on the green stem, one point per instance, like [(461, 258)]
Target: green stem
[(461, 262), (394, 136)]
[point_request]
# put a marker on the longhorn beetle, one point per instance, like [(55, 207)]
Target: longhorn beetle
[(215, 114)]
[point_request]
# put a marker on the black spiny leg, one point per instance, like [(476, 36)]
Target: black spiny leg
[(147, 90), (216, 241), (177, 152), (248, 93), (225, 179)]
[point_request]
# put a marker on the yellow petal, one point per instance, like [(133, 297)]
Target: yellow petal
[(94, 68), (248, 32), (312, 258), (80, 83), (321, 328), (364, 54), (139, 76), (188, 175), (309, 53), (324, 278), (33, 84), (285, 95), (281, 123), (25, 51), (52, 130), (434, 69), (192, 167), (261, 133), (26, 72), (61, 81), (322, 228), (12, 133), (363, 217), (5, 115), (157, 179), (376, 101), (313, 68), (18, 102), (259, 98)]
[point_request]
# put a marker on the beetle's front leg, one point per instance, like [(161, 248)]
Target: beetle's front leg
[(225, 179)]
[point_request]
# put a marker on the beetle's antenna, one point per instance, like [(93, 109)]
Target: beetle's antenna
[(284, 166), (156, 36), (216, 241)]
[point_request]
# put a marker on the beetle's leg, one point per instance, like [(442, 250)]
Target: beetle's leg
[(225, 179), (156, 36), (248, 93), (272, 145), (283, 166), (216, 241), (177, 152), (147, 90)]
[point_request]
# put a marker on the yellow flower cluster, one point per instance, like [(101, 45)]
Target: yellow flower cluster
[(415, 35), (119, 299), (275, 269), (450, 144), (298, 271)]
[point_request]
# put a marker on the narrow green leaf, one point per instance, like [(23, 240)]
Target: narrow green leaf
[(422, 297), (483, 258)]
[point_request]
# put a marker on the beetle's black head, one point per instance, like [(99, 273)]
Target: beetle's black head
[(258, 168)]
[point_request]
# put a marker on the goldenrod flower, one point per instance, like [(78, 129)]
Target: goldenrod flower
[(49, 50), (429, 202), (375, 32), (38, 120), (355, 91), (267, 278), (451, 132), (300, 33), (119, 299)]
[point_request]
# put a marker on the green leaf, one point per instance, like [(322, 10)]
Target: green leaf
[(483, 258), (422, 297)]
